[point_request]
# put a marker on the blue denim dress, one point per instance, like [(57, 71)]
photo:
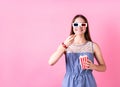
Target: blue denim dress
[(75, 75)]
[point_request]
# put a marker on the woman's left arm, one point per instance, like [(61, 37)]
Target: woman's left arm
[(101, 66)]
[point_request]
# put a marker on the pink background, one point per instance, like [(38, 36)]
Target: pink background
[(31, 30)]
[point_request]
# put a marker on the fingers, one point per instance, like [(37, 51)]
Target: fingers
[(69, 40), (71, 37), (89, 61), (88, 64)]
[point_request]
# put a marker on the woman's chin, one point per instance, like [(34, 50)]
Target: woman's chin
[(78, 33)]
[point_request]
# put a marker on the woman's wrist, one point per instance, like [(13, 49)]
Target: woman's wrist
[(94, 67), (64, 45)]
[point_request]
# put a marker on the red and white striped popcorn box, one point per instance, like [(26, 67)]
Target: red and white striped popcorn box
[(83, 61)]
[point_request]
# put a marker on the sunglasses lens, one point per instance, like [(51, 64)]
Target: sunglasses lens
[(75, 24), (83, 24)]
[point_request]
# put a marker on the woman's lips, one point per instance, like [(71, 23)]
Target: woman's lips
[(79, 30)]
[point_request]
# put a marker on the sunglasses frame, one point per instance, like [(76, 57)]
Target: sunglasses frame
[(79, 24)]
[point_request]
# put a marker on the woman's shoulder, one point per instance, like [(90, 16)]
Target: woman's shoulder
[(95, 46)]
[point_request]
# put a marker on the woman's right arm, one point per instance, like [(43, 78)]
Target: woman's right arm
[(60, 50), (56, 55)]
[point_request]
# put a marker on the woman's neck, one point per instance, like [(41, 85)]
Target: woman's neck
[(80, 39)]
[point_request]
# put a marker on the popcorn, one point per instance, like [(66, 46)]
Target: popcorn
[(83, 61)]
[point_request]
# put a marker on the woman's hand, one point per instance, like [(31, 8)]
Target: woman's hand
[(90, 65), (69, 40)]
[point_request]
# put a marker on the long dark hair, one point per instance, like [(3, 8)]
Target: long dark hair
[(87, 33)]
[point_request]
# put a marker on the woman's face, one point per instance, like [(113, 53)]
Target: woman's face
[(79, 26)]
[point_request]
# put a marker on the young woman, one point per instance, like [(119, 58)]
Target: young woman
[(80, 52)]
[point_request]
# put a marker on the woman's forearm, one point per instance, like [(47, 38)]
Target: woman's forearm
[(100, 68), (56, 55)]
